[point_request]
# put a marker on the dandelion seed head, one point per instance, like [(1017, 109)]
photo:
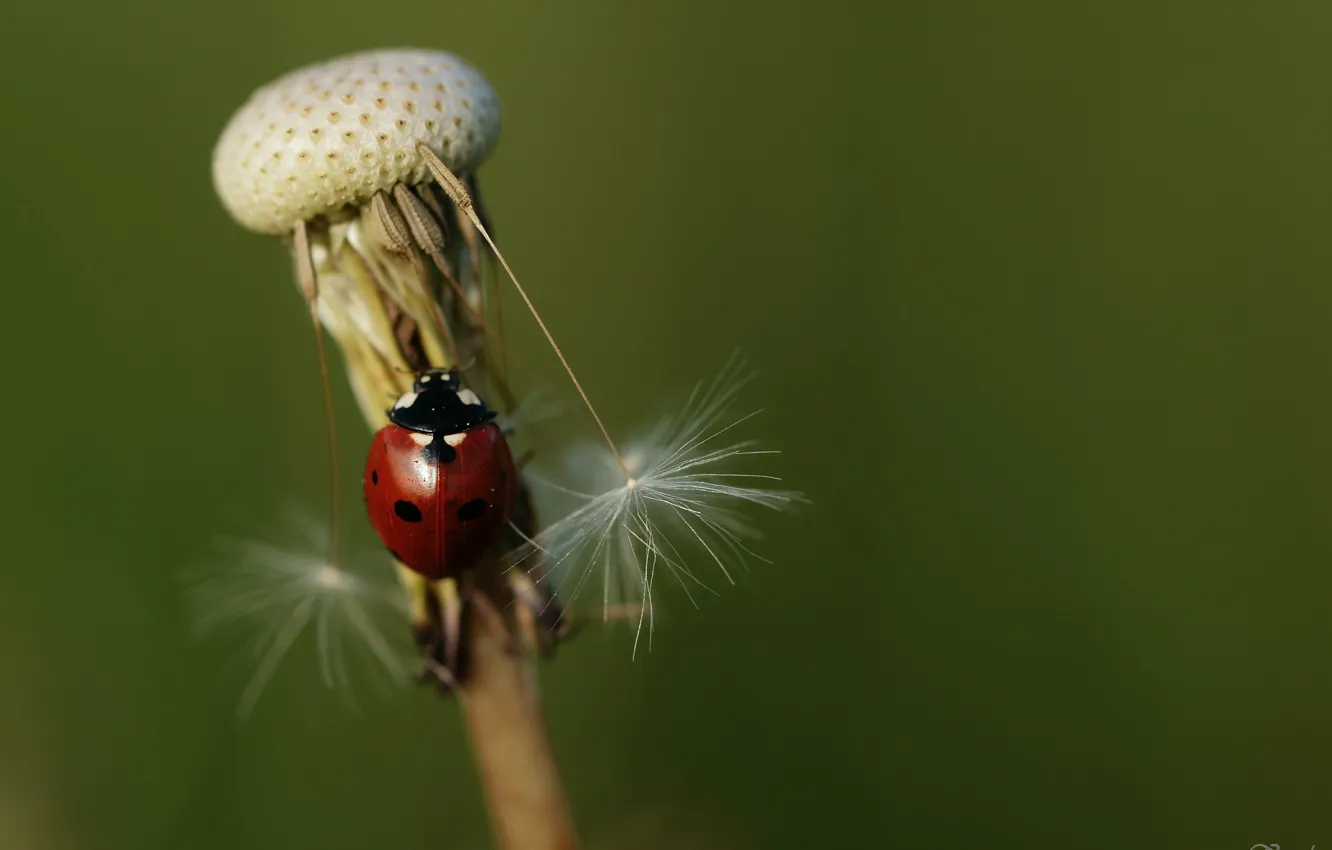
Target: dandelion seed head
[(333, 134)]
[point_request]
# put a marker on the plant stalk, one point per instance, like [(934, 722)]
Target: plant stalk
[(501, 706), (391, 317)]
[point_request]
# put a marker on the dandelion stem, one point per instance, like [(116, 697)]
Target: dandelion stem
[(519, 775)]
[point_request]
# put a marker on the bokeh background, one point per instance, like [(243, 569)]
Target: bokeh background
[(1039, 297)]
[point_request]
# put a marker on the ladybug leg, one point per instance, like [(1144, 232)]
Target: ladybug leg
[(451, 621), (439, 624), (445, 655), (419, 604), (434, 671)]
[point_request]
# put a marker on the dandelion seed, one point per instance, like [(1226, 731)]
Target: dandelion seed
[(279, 593), (679, 505)]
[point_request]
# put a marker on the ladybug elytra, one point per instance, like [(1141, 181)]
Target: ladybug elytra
[(440, 480)]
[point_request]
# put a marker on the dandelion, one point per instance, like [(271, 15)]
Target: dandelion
[(677, 501), (366, 166)]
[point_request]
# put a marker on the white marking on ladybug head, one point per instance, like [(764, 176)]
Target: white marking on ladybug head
[(406, 400), (455, 440), (421, 439), (468, 397)]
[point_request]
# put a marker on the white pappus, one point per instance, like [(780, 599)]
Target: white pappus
[(676, 504)]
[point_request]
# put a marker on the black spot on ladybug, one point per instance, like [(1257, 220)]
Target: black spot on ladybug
[(406, 511), (472, 510), (374, 477), (438, 451)]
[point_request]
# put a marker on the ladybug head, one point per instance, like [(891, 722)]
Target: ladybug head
[(437, 379), (437, 404)]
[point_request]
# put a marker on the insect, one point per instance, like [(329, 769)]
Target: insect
[(439, 481)]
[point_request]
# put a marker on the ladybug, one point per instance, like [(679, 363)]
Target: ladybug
[(439, 481)]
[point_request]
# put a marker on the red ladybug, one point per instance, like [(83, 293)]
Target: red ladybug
[(440, 481)]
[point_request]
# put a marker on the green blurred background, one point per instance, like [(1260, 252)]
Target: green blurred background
[(1039, 296)]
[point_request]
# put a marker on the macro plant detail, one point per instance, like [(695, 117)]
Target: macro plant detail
[(366, 167)]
